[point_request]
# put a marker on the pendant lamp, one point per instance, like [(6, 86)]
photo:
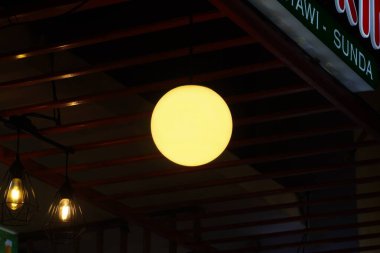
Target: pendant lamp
[(65, 217), (191, 125), (18, 200)]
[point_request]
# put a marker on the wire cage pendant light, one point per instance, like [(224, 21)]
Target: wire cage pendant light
[(18, 199), (65, 217)]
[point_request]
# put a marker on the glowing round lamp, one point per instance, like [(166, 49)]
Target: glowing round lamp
[(191, 125)]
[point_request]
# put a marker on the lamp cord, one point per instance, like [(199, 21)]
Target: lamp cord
[(67, 167), (191, 49), (18, 144)]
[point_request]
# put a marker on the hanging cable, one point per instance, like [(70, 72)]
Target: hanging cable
[(18, 142), (191, 49), (67, 167)]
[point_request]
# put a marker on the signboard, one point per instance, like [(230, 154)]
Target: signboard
[(324, 38), (8, 241)]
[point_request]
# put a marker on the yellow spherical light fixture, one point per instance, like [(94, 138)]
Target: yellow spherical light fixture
[(191, 125)]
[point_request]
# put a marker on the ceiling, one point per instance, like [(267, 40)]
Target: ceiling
[(300, 170)]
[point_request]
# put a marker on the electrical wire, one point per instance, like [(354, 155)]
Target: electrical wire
[(191, 49), (18, 144), (67, 167)]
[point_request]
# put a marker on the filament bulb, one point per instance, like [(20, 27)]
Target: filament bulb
[(65, 209), (15, 194)]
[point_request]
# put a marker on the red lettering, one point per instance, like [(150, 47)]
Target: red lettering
[(375, 31), (368, 17), (340, 4), (349, 7), (365, 18)]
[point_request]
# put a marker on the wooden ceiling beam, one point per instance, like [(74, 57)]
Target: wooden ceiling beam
[(300, 218), (106, 163), (129, 62), (310, 71), (224, 164), (155, 86), (328, 240), (90, 227), (296, 232), (241, 98), (259, 159), (276, 92), (252, 141), (227, 181), (283, 115), (234, 144), (283, 206), (78, 126), (88, 146), (294, 189), (353, 249), (282, 191), (292, 135), (111, 36), (37, 11)]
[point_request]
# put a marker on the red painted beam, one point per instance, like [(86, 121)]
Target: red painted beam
[(180, 170), (330, 240), (142, 116), (128, 62), (281, 115), (90, 227), (113, 35), (351, 250), (133, 139), (293, 135), (316, 216), (257, 95), (217, 165), (295, 232), (199, 78), (115, 120), (295, 189), (88, 146), (264, 208), (234, 144), (103, 164), (34, 12), (229, 181)]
